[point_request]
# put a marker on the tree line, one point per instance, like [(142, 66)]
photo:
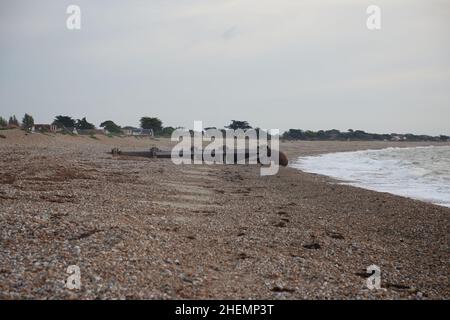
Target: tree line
[(156, 125), (298, 134), (27, 122), (149, 123)]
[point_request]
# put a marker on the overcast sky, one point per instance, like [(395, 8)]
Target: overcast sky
[(276, 63)]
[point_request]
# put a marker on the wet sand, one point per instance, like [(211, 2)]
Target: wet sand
[(148, 229)]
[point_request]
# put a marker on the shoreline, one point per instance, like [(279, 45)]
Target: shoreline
[(148, 229)]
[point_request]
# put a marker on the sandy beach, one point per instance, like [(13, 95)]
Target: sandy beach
[(143, 228)]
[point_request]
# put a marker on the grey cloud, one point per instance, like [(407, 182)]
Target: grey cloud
[(279, 64)]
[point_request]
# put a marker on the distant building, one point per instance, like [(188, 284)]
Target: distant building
[(128, 131), (44, 128), (143, 132), (397, 138), (138, 132)]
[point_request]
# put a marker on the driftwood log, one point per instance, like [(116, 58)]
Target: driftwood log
[(157, 153)]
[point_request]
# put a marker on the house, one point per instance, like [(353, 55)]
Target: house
[(128, 131), (143, 132), (44, 128), (395, 137), (138, 132)]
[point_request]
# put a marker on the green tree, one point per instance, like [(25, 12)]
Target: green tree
[(83, 124), (236, 124), (27, 122), (167, 131), (64, 121), (151, 123), (310, 135), (3, 122), (110, 126)]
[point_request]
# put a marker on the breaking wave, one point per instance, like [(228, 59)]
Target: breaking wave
[(421, 173)]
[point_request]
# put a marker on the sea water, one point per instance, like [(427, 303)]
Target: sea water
[(421, 173)]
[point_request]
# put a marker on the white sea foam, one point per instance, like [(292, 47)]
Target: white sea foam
[(421, 173)]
